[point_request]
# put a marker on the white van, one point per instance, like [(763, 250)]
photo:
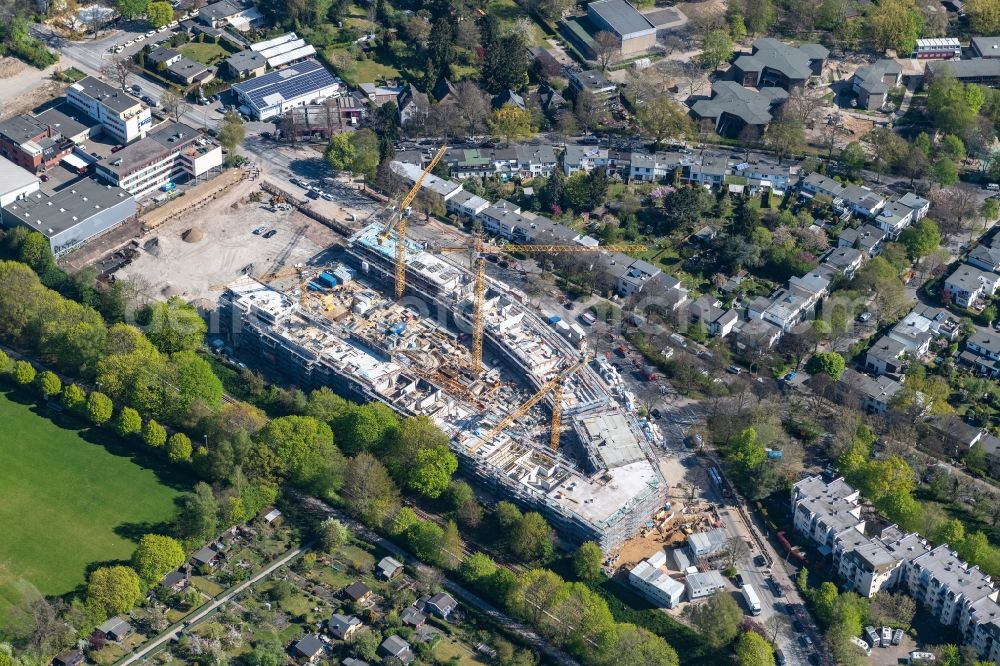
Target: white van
[(993, 187)]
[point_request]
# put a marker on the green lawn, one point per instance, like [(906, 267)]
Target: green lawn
[(205, 53), (72, 498)]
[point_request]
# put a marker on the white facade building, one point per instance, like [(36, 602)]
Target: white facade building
[(122, 116)]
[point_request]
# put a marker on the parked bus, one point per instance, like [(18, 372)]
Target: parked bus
[(750, 596)]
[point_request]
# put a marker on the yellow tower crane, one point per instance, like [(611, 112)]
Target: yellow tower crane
[(397, 221), (480, 250), (554, 384)]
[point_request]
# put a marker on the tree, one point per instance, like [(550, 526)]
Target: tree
[(369, 493), (419, 456), (425, 539), (887, 148), (129, 422), (587, 561), (606, 47), (758, 16), (49, 384), (984, 16), (752, 649), (637, 645), (173, 104), (894, 24), (231, 131), (660, 118), (510, 122), (505, 63), (153, 434), (363, 427), (473, 107), (945, 172), (301, 450), (716, 49), (99, 408), (159, 14), (949, 104), (921, 239), (718, 619), (24, 372), (113, 590), (531, 540), (179, 447), (197, 514), (333, 534), (118, 67), (175, 326), (366, 154), (339, 152), (155, 556), (852, 158), (73, 397), (786, 137), (830, 363), (989, 210)]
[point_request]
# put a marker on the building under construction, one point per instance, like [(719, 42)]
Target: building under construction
[(602, 484)]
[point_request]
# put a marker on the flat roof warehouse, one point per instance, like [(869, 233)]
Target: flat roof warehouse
[(55, 213), (296, 84)]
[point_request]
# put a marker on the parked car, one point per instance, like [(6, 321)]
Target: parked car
[(806, 641), (135, 90), (739, 580), (140, 38), (150, 33), (790, 376), (259, 230), (271, 233), (734, 369), (864, 316), (152, 103)]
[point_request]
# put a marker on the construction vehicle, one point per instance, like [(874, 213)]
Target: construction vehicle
[(554, 385), (480, 251), (397, 223)]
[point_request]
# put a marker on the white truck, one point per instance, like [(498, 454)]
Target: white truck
[(750, 596)]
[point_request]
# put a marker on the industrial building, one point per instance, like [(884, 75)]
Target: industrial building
[(275, 93), (73, 215), (120, 115), (367, 347), (280, 51), (15, 182), (634, 32), (171, 151)]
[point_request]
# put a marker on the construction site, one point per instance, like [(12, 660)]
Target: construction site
[(530, 415)]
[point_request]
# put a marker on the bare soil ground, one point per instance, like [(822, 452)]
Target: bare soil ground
[(24, 87)]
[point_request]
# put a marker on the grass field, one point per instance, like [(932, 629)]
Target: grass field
[(72, 498), (205, 53)]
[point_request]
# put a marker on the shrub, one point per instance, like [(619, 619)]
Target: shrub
[(73, 397), (49, 384), (99, 408), (129, 422), (24, 373)]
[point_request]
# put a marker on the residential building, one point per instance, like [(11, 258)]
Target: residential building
[(162, 57), (941, 322), (872, 394), (632, 30), (985, 47), (175, 581), (632, 275), (844, 260), (377, 95), (275, 93), (764, 172), (218, 15), (72, 658), (15, 182), (871, 83), (388, 568), (532, 161), (654, 583), (917, 204), (775, 64), (593, 81), (757, 335), (244, 65), (122, 116), (866, 239), (358, 592), (733, 110), (879, 564), (894, 217), (208, 557), (441, 604), (413, 105), (467, 204), (170, 152), (412, 617), (886, 357), (283, 50), (946, 585), (967, 285), (703, 584), (822, 511), (343, 627), (708, 171), (32, 144), (982, 351), (73, 215), (308, 649), (816, 183), (437, 189), (708, 311), (577, 157), (986, 257), (508, 97), (394, 646), (984, 71), (915, 333), (188, 72), (860, 200), (938, 48)]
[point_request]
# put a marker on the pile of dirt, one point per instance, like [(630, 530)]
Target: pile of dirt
[(170, 291), (192, 235)]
